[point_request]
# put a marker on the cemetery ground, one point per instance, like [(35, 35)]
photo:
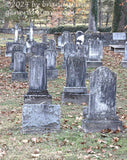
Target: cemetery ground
[(70, 143)]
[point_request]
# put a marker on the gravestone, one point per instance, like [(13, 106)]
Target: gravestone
[(52, 72), (38, 48), (9, 47), (69, 48), (95, 53), (124, 60), (16, 33), (79, 38), (44, 38), (75, 90), (31, 31), (52, 44), (59, 41), (19, 73), (16, 47), (37, 92), (66, 38), (101, 112)]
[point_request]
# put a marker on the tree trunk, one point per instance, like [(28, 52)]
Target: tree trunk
[(100, 14)]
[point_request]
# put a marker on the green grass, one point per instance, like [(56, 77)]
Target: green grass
[(70, 143)]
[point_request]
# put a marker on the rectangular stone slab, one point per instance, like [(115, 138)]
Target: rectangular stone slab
[(40, 118)]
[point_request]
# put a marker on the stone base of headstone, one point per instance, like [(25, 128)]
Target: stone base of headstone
[(92, 64), (124, 64), (19, 76), (52, 74), (40, 118), (75, 95), (37, 98), (90, 126)]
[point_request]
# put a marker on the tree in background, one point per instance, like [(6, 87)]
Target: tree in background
[(119, 15), (93, 14)]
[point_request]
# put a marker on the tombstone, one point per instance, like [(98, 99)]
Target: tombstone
[(69, 48), (101, 112), (19, 73), (66, 38), (44, 38), (37, 82), (52, 72), (38, 48), (52, 44), (38, 114), (9, 47), (31, 31), (95, 53), (15, 48), (75, 90), (59, 41), (124, 60), (79, 38), (16, 33)]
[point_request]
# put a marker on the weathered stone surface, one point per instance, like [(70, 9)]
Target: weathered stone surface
[(16, 33), (94, 64), (124, 60), (75, 90), (31, 31), (52, 44), (37, 82), (52, 72), (44, 38), (40, 118), (9, 47), (102, 102), (38, 48), (79, 38), (19, 73)]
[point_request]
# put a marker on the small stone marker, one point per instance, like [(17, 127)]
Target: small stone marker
[(124, 61), (37, 82), (52, 72), (102, 102), (75, 90), (95, 53), (19, 73)]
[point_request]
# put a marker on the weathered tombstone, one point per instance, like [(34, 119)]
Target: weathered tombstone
[(31, 31), (101, 113), (38, 48), (52, 72), (44, 38), (16, 47), (124, 60), (69, 48), (37, 82), (52, 44), (66, 38), (59, 41), (38, 114), (95, 54), (9, 47), (16, 33), (75, 90), (19, 73), (79, 38)]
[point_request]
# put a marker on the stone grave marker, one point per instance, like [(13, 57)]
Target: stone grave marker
[(75, 90), (37, 82), (79, 38), (101, 112), (52, 44), (31, 31), (19, 73), (124, 60), (52, 72)]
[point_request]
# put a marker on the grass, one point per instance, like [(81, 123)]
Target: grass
[(70, 143)]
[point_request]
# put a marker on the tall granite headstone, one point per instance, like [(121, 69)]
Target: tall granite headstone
[(124, 60), (102, 102), (19, 73), (37, 92), (75, 90)]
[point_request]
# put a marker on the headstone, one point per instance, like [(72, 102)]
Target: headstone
[(69, 48), (37, 82), (124, 60), (59, 41), (16, 47), (95, 53), (119, 36), (52, 44), (31, 31), (19, 73), (16, 33), (102, 102), (75, 90), (52, 72), (66, 38), (9, 47), (79, 38), (44, 38), (38, 48)]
